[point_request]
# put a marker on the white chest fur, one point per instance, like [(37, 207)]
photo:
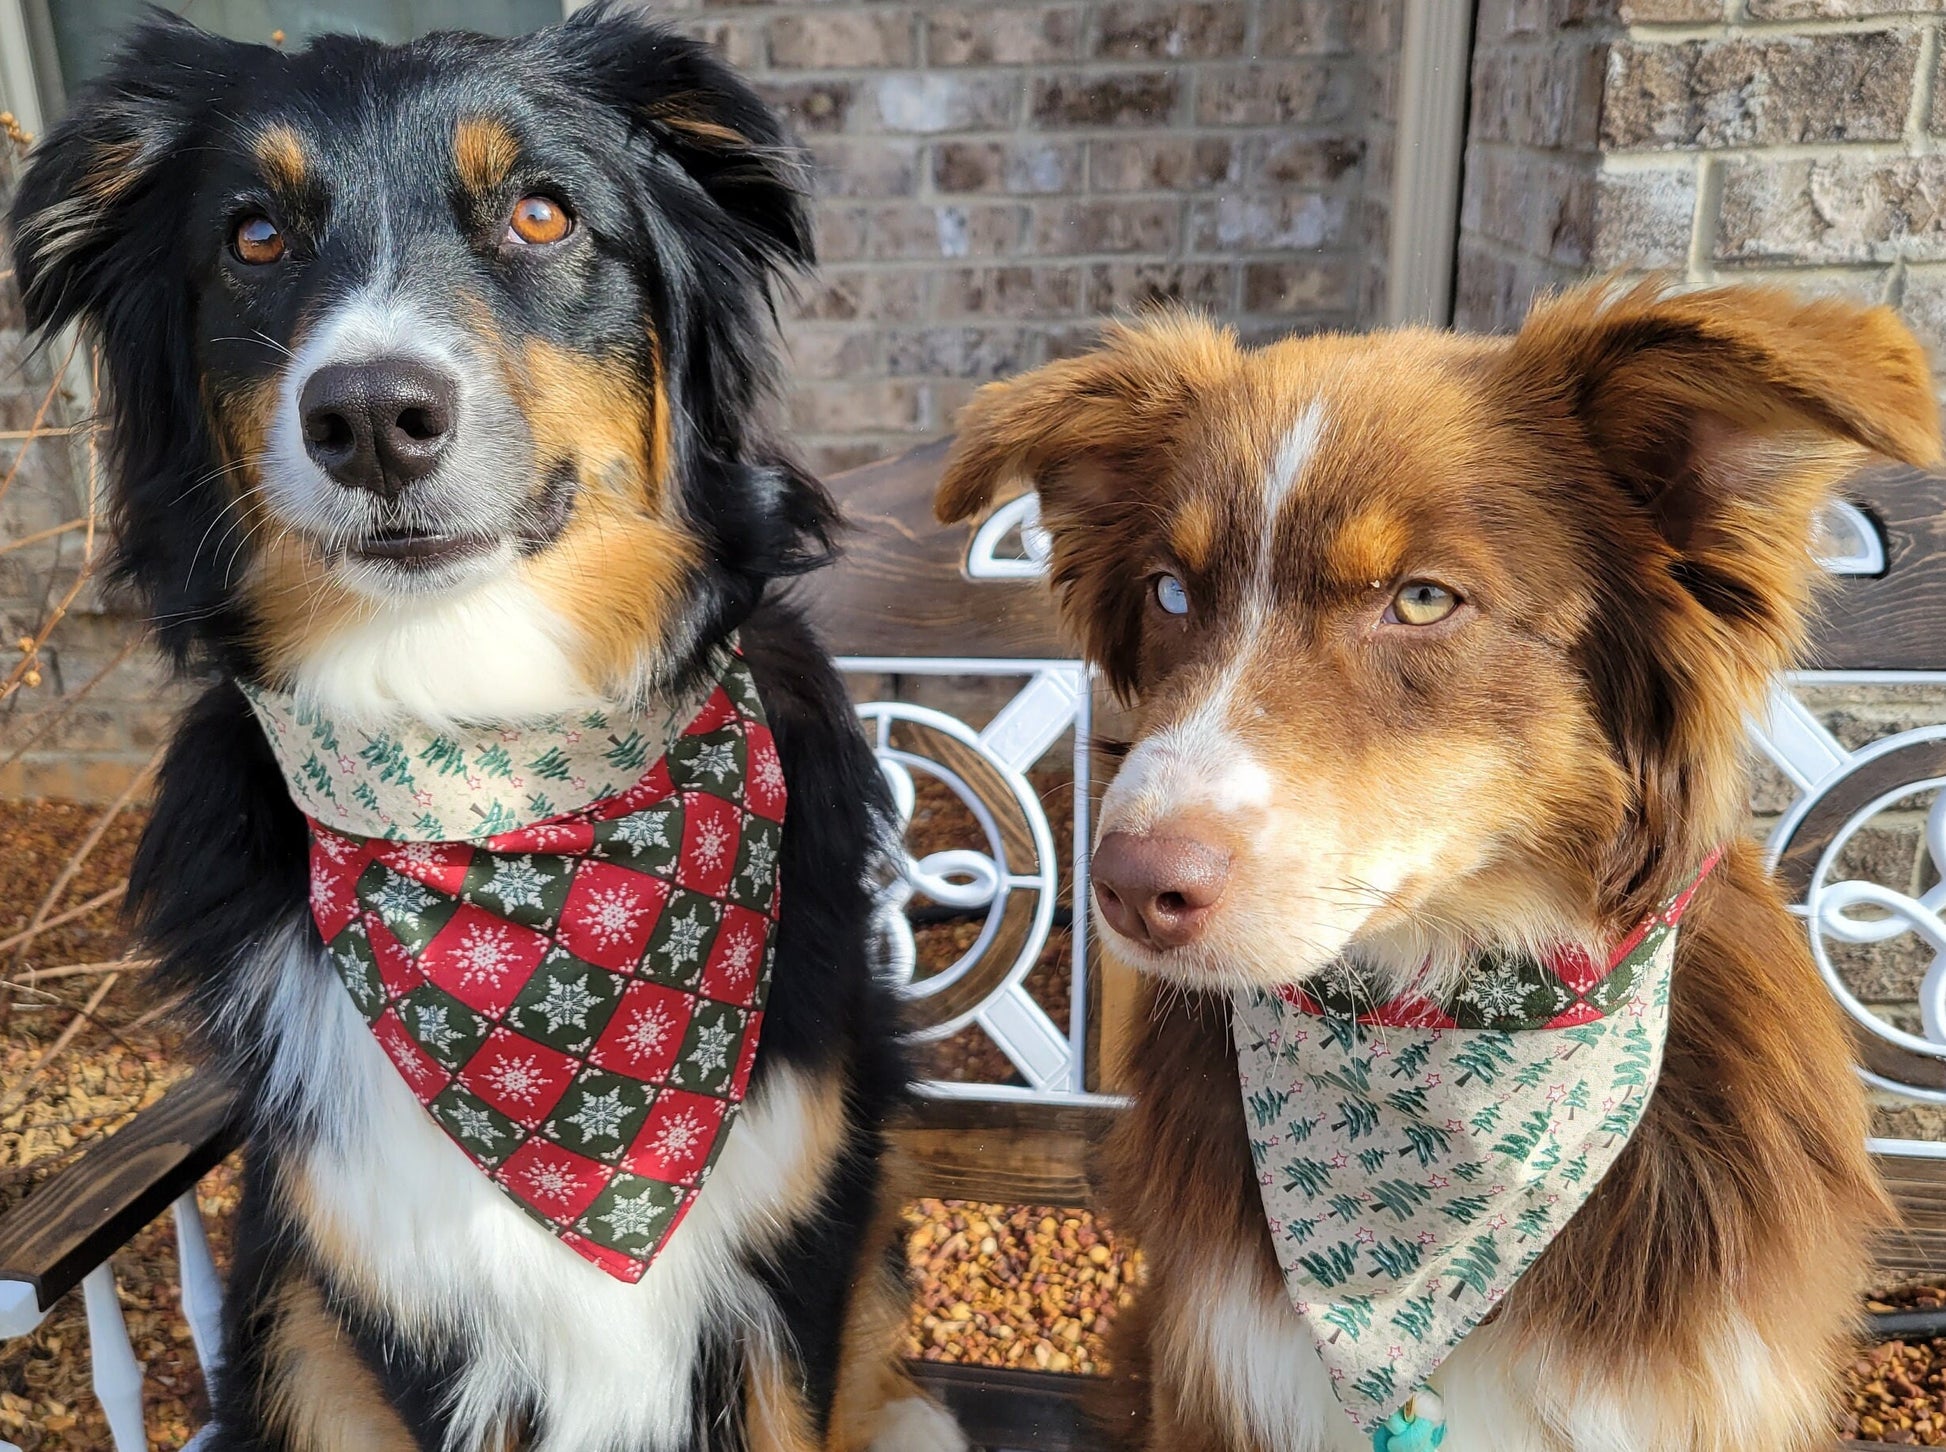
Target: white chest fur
[(428, 1238)]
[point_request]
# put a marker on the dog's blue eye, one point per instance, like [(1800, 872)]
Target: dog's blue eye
[(1171, 596)]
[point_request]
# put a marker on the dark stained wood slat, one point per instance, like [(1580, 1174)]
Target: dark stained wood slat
[(1917, 1184), (997, 1407), (1008, 1152), (1893, 622), (85, 1211)]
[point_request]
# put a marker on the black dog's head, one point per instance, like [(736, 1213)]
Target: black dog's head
[(435, 368)]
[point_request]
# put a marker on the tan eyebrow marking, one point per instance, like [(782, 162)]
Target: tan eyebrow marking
[(282, 157), (484, 152), (1193, 533)]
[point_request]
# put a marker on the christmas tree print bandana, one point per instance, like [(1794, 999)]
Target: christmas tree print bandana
[(1415, 1158), (575, 997)]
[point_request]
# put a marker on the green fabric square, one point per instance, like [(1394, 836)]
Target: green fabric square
[(709, 1049), (527, 889), (631, 1215), (755, 879), (442, 1025), (600, 1114), (414, 912), (648, 841), (680, 945), (567, 1002), (488, 1135), (351, 955), (712, 762)]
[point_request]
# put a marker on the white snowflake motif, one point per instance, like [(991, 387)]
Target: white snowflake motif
[(610, 914), (336, 848), (712, 845), (713, 1044), (740, 957), (419, 854), (642, 830), (761, 861), (400, 900), (634, 1217), (324, 887), (600, 1115), (413, 1067), (475, 1123), (718, 759), (685, 941), (549, 1180), (767, 771), (517, 883), (1498, 993), (485, 953), (553, 834), (679, 1136), (566, 1001), (518, 1079), (435, 1031), (648, 1031)]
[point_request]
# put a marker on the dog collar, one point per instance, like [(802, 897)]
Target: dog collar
[(561, 936), (1415, 1158)]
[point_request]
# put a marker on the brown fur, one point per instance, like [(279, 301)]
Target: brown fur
[(282, 158), (325, 1399), (484, 153), (1623, 494)]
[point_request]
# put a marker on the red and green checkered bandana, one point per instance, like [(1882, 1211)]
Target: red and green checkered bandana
[(576, 999)]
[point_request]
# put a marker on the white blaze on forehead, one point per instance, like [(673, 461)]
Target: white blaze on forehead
[(1293, 456)]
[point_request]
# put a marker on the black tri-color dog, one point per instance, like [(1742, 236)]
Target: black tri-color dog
[(518, 863)]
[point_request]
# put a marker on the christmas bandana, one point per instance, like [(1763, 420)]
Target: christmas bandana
[(1416, 1158), (561, 936)]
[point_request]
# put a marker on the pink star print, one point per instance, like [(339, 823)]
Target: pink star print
[(1339, 1160), (1364, 1236), (1438, 1182)]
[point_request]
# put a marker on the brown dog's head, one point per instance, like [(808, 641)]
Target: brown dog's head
[(1435, 641)]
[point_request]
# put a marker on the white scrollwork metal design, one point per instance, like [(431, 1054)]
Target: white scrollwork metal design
[(1011, 876), (1010, 543)]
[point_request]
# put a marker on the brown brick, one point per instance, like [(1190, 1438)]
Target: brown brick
[(1644, 218), (1106, 226), (1307, 161), (1314, 27), (1924, 307), (1009, 36), (826, 459), (1651, 12), (1127, 98), (826, 39), (851, 168), (1162, 163), (1769, 92), (835, 352), (811, 106), (963, 229), (1020, 168), (1162, 30), (965, 352), (1535, 201), (1273, 94), (840, 295), (933, 102), (1299, 286), (888, 405), (1837, 209), (1548, 96), (1287, 221), (1116, 287), (738, 40), (1012, 292)]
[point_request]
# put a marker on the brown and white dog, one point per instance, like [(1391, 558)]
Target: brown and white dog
[(1438, 644)]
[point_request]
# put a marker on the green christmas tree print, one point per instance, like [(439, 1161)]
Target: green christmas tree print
[(1332, 1266), (1474, 1267)]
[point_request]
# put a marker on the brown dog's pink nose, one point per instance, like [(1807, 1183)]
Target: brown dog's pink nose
[(1162, 891)]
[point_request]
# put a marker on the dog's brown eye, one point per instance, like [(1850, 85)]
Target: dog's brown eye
[(257, 241), (538, 220), (1421, 602)]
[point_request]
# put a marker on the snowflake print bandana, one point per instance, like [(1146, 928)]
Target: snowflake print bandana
[(574, 994), (1416, 1158)]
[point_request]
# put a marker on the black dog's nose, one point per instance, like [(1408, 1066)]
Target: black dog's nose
[(378, 425)]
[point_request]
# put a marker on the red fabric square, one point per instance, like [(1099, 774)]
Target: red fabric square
[(396, 970), (718, 711), (482, 960), (555, 1181), (652, 788), (764, 778), (747, 1056), (520, 1078), (1578, 971), (610, 914), (646, 1033), (437, 864), (711, 834), (423, 1074), (336, 863), (730, 975), (674, 1143), (569, 835)]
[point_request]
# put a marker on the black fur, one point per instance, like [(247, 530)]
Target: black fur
[(694, 231)]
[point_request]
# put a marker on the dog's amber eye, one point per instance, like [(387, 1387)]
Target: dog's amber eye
[(1171, 596), (257, 241), (538, 220), (1421, 602)]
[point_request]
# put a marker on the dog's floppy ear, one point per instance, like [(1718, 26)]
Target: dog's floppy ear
[(1728, 416), (1083, 429), (87, 218), (1698, 435)]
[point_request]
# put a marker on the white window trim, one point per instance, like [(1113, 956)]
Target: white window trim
[(1435, 49)]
